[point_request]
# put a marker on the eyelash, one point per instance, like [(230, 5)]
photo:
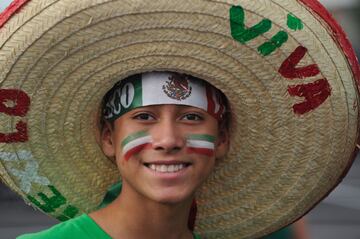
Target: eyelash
[(149, 116), (138, 116), (197, 116)]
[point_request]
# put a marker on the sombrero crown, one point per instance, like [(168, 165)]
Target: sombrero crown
[(285, 66)]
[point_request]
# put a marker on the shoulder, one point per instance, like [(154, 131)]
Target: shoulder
[(69, 229)]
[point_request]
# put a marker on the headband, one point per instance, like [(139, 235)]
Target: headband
[(157, 88)]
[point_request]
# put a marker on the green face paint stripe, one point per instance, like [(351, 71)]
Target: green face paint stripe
[(294, 23), (204, 137), (276, 42), (133, 137), (238, 29)]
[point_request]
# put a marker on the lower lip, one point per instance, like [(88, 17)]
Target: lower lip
[(169, 175)]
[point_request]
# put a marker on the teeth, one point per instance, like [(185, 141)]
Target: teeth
[(161, 168), (166, 168)]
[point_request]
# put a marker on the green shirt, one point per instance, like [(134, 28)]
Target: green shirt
[(82, 227)]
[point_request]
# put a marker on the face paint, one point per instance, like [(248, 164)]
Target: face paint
[(196, 144), (201, 144), (135, 143)]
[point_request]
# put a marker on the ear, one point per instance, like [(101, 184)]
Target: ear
[(107, 142), (222, 144)]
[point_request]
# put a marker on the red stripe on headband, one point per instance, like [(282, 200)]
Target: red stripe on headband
[(11, 10), (338, 35), (210, 100), (214, 99)]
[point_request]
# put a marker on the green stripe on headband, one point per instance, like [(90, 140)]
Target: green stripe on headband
[(123, 97)]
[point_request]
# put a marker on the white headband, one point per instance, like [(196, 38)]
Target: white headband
[(157, 88)]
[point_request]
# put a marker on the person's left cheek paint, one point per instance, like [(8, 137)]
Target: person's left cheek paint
[(135, 143), (203, 144)]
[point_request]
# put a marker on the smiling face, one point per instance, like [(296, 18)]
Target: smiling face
[(164, 152)]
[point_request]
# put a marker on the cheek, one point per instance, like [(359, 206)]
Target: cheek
[(133, 144), (206, 165), (127, 169)]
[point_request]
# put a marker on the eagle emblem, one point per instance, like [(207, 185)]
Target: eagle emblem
[(177, 87)]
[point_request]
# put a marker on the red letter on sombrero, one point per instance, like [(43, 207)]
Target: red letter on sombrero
[(20, 106), (315, 94), (288, 68)]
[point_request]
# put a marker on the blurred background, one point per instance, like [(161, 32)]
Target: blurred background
[(338, 216)]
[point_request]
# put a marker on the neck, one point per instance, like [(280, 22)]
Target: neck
[(132, 215)]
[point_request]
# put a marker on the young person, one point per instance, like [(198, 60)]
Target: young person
[(164, 146), (266, 133)]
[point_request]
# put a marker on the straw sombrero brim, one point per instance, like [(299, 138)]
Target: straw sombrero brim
[(286, 67)]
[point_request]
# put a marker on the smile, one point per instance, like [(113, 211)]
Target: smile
[(167, 168)]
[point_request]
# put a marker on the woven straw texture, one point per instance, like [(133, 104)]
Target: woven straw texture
[(65, 55)]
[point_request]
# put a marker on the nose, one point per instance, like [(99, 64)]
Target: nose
[(167, 137)]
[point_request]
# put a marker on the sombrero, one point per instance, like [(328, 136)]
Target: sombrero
[(286, 67)]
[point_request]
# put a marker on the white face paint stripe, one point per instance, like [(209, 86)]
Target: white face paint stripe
[(200, 144), (139, 141)]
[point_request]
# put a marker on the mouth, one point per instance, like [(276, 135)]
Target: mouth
[(167, 168)]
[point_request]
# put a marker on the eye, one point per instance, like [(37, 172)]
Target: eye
[(193, 117), (144, 116)]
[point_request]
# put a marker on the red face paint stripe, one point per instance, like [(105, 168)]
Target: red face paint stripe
[(203, 151), (338, 36), (135, 150), (11, 10)]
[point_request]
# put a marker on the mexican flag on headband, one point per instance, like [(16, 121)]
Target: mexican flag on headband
[(156, 88)]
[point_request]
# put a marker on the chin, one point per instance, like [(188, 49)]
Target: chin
[(173, 197)]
